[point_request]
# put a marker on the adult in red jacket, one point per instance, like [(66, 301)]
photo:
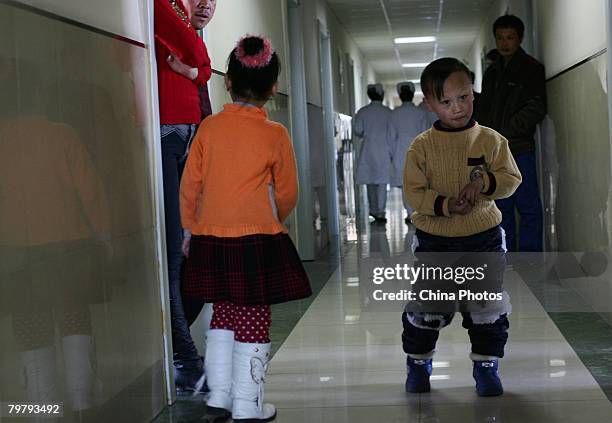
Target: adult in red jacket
[(183, 65)]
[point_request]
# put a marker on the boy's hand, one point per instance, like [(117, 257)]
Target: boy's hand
[(179, 67), (459, 206), (471, 192)]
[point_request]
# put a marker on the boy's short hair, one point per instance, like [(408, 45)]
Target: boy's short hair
[(510, 21), (376, 92), (434, 75)]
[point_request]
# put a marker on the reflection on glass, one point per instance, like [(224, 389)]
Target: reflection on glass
[(79, 290), (317, 173), (54, 242)]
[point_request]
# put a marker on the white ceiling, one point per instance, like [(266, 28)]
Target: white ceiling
[(366, 23)]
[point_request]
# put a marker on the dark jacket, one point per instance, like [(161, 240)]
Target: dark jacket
[(513, 100)]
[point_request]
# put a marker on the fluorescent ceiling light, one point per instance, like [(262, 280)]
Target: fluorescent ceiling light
[(414, 65), (413, 40), (415, 81)]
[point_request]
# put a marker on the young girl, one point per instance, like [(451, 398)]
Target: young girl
[(453, 173), (239, 185)]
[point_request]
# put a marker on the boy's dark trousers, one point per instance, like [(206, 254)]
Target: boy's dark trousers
[(421, 326), (486, 339)]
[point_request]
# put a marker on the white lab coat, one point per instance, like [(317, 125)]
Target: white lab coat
[(431, 116), (409, 121), (373, 124)]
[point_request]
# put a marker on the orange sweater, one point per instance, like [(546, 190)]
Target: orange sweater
[(241, 167), (50, 190)]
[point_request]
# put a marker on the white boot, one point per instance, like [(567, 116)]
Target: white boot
[(218, 368), (82, 384), (40, 375), (248, 374)]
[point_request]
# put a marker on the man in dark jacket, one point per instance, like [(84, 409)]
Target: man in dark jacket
[(513, 102)]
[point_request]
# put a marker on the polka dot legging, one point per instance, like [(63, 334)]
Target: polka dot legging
[(250, 324)]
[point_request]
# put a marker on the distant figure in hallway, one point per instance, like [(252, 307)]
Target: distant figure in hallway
[(409, 121), (183, 65), (513, 102), (239, 186), (453, 173), (373, 124), (431, 117)]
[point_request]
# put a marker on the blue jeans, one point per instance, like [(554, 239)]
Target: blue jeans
[(174, 155), (526, 200)]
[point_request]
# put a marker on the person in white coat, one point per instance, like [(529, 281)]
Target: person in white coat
[(373, 124), (430, 116), (409, 121)]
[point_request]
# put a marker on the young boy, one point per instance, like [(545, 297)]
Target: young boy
[(453, 172)]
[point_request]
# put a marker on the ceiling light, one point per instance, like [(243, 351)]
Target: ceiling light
[(413, 40), (414, 65), (415, 81)]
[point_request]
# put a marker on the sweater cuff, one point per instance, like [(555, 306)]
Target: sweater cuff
[(441, 206), (204, 73), (490, 184)]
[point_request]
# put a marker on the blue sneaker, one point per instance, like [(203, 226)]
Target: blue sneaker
[(487, 379), (418, 375)]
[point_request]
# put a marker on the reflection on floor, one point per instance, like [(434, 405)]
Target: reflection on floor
[(343, 362)]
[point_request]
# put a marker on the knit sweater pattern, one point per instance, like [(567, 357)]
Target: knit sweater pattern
[(440, 164), (240, 178), (179, 100)]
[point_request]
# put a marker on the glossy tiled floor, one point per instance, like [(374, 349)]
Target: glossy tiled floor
[(343, 363)]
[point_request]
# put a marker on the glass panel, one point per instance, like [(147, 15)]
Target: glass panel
[(317, 175), (80, 316)]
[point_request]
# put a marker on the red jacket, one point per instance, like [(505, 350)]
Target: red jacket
[(178, 96)]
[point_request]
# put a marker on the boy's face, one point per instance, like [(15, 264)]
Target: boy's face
[(455, 107), (507, 41)]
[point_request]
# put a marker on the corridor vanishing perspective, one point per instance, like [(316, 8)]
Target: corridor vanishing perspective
[(155, 152), (343, 360), (343, 364)]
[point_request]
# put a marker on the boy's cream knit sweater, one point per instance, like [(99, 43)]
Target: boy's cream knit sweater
[(439, 165)]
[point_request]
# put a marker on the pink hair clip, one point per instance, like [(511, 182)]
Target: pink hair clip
[(258, 60)]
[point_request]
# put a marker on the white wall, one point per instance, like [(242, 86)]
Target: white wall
[(120, 17), (315, 11), (569, 32), (236, 18)]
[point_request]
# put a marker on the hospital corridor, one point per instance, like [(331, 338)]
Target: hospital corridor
[(341, 211)]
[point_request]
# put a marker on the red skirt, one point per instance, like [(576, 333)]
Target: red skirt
[(249, 270)]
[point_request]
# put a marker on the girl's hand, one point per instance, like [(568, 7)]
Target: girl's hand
[(459, 206), (186, 242), (179, 67), (185, 246), (471, 192)]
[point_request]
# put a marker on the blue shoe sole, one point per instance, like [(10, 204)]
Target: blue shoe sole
[(418, 390), (491, 394)]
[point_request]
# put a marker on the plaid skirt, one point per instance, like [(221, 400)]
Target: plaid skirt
[(249, 270)]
